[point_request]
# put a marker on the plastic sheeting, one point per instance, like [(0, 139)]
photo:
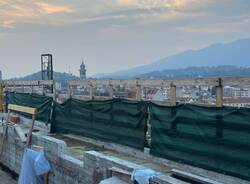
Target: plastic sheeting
[(142, 176), (34, 166), (208, 137)]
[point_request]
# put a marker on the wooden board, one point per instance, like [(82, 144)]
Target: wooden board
[(24, 109)]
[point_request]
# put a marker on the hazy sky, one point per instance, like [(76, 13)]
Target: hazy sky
[(112, 34)]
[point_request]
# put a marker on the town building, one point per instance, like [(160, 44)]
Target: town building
[(237, 102), (240, 92)]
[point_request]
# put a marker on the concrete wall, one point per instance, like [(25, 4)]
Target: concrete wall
[(66, 169)]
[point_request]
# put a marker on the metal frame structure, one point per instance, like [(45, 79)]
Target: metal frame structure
[(47, 66), (47, 69)]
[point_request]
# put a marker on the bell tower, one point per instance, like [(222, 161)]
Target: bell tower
[(82, 71)]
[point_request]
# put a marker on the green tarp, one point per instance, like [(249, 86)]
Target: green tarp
[(212, 138), (42, 103), (118, 121)]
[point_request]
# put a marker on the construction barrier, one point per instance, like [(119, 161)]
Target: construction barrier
[(208, 137), (118, 121), (42, 103), (212, 138)]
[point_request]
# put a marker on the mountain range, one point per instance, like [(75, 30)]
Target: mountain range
[(236, 53), (218, 60), (198, 72)]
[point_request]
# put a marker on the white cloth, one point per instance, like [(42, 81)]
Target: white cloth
[(34, 166), (142, 176)]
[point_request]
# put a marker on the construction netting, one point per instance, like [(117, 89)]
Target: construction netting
[(117, 120), (42, 103), (212, 138)]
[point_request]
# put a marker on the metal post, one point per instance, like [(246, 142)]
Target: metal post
[(219, 94), (173, 94)]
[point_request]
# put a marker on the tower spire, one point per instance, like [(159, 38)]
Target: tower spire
[(82, 70)]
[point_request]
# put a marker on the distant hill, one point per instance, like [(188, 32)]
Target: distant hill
[(198, 72), (58, 76), (236, 53)]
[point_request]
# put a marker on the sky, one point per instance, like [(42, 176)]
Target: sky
[(112, 35)]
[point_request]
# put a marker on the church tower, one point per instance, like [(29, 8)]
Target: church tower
[(82, 71)]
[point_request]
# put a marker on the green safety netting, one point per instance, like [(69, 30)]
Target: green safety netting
[(117, 120), (42, 103), (212, 138)]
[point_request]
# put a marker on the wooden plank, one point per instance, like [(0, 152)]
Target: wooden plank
[(138, 92), (111, 91), (46, 82), (219, 94), (193, 177), (29, 139), (20, 83), (230, 81), (178, 82), (28, 83), (24, 109), (173, 99)]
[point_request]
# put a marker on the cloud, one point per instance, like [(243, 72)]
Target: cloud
[(33, 11), (7, 24), (155, 3), (51, 9), (114, 12)]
